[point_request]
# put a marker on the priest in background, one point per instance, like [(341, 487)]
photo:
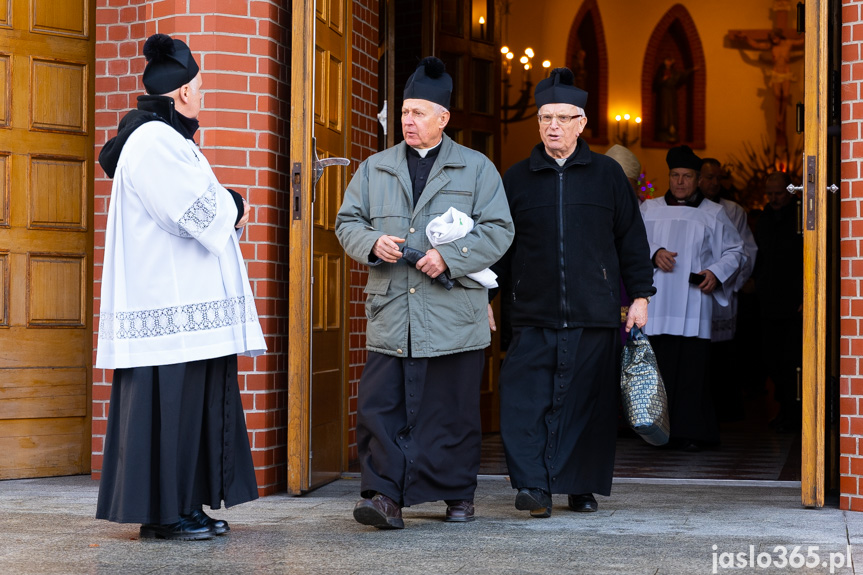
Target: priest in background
[(697, 254), (726, 378), (176, 309)]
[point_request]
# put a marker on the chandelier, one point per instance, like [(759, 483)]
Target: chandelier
[(523, 107)]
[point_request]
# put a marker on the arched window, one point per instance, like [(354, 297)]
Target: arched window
[(587, 57), (673, 82)]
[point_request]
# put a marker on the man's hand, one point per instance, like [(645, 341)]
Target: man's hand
[(710, 282), (664, 259), (245, 219), (387, 249), (491, 324), (432, 264), (637, 314)]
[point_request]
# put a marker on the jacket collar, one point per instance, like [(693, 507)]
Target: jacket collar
[(449, 155), (540, 160), (396, 163)]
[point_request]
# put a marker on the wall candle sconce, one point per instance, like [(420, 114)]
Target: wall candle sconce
[(623, 138), (482, 28)]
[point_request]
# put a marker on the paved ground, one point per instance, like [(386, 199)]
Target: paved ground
[(646, 527)]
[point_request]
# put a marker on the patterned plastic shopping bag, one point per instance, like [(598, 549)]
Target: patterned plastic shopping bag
[(642, 391)]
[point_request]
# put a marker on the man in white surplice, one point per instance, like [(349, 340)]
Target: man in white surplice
[(697, 254), (176, 309)]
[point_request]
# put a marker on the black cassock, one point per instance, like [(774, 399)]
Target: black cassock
[(176, 439), (419, 433), (684, 363), (558, 408)]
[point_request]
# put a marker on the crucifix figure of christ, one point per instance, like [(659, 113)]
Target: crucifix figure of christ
[(779, 43)]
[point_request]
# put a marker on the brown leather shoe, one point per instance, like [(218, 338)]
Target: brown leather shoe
[(380, 511), (459, 511)]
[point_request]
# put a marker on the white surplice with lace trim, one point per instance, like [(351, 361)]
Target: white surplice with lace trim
[(174, 284)]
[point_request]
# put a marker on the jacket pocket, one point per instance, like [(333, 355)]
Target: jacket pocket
[(376, 291), (605, 273)]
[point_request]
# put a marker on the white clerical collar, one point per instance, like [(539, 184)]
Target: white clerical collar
[(423, 151), (560, 161)]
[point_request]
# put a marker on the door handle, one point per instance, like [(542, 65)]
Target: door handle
[(318, 166), (326, 163), (792, 189), (832, 188)]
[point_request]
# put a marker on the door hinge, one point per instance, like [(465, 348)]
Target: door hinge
[(801, 18)]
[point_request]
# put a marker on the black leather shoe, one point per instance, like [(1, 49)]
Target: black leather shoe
[(459, 511), (584, 503), (219, 526), (186, 529), (380, 511), (535, 500)]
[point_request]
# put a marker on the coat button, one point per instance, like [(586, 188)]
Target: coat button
[(412, 290), (399, 351), (412, 230), (464, 249)]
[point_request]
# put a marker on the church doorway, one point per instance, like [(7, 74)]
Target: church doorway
[(750, 448)]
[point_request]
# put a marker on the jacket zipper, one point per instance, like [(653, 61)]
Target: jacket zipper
[(561, 250)]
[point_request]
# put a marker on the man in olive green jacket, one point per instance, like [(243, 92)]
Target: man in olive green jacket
[(418, 423)]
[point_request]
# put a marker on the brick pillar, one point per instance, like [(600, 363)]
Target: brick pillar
[(364, 109), (242, 48), (851, 271)]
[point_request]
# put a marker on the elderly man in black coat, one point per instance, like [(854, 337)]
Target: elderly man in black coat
[(578, 232)]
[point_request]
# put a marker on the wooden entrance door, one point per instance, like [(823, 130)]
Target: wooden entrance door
[(46, 241), (318, 336), (816, 260)]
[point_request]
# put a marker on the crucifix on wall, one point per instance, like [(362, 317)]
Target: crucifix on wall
[(777, 46)]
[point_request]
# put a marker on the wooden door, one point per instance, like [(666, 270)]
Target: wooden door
[(47, 51), (328, 259), (318, 337), (816, 265)]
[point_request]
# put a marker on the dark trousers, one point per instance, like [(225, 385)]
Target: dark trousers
[(558, 408), (419, 434), (683, 364)]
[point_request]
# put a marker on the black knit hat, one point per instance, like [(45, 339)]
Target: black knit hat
[(558, 88), (682, 157), (430, 82), (170, 64)]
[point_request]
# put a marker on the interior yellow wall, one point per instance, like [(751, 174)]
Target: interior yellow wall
[(736, 80)]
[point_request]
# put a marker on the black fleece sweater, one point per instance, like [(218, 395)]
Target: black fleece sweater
[(578, 232)]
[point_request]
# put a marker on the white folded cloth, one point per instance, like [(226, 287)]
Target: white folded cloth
[(452, 225)]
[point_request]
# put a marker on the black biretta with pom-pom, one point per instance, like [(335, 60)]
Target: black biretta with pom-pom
[(431, 82), (170, 64), (558, 89)]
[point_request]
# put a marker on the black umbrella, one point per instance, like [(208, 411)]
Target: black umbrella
[(412, 256)]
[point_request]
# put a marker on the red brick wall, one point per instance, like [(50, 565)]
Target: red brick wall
[(364, 109), (851, 285), (243, 50)]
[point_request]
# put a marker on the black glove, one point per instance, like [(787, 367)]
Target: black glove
[(412, 256)]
